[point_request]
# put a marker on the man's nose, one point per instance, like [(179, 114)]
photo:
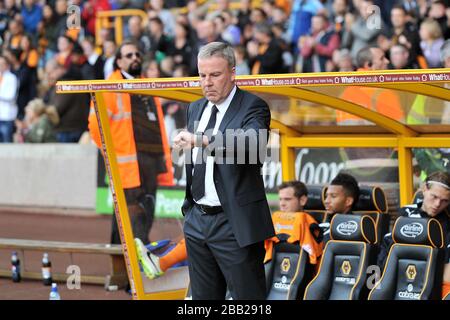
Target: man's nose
[(438, 202), (208, 81)]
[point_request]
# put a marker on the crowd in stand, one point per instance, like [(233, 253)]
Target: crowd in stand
[(275, 36)]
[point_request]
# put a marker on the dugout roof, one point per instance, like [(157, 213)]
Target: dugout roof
[(306, 108)]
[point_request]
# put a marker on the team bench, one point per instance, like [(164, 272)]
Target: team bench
[(116, 277)]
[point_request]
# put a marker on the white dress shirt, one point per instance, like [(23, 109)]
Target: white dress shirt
[(9, 86), (211, 198)]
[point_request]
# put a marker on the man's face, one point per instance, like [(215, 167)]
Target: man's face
[(64, 44), (216, 78), (399, 57), (317, 24), (29, 3), (379, 61), (131, 60), (289, 202), (437, 11), (3, 65), (447, 62), (435, 199), (365, 9), (61, 7), (206, 29), (398, 18), (446, 56), (339, 6), (134, 26), (109, 48), (336, 200)]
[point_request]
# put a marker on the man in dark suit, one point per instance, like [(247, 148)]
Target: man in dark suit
[(227, 217)]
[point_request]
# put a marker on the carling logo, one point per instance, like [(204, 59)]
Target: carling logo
[(347, 228), (411, 230)]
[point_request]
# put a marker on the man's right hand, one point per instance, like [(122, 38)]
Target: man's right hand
[(184, 140)]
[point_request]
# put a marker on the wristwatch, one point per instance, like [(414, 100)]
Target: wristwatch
[(198, 139)]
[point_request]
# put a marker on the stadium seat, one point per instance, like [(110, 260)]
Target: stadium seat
[(314, 206), (342, 271), (409, 273), (372, 202), (289, 270)]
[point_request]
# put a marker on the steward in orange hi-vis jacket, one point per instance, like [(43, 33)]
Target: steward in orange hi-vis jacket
[(121, 127), (140, 142)]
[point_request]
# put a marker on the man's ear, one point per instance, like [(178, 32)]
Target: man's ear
[(303, 200), (424, 187), (349, 202)]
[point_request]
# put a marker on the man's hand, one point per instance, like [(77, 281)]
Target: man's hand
[(184, 140)]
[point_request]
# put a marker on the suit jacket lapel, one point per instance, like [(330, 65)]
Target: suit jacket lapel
[(232, 110)]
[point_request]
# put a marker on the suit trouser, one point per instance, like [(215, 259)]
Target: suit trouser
[(216, 261)]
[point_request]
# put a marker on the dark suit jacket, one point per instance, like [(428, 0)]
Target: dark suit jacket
[(240, 187)]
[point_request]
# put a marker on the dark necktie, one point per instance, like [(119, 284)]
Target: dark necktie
[(198, 179)]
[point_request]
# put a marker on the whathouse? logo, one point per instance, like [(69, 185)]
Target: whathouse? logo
[(411, 230), (347, 228)]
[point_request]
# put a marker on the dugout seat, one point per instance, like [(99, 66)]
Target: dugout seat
[(291, 255), (288, 272), (342, 271), (314, 206), (372, 202), (409, 272)]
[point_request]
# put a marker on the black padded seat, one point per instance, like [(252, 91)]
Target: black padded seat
[(342, 271), (410, 269), (288, 272)]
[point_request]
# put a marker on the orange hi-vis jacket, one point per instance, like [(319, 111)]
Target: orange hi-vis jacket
[(383, 101), (297, 225), (445, 289), (121, 126)]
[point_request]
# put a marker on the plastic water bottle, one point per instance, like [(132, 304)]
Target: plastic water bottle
[(15, 267), (46, 270), (54, 295)]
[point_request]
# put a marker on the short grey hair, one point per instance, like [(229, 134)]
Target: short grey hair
[(218, 49), (445, 50), (364, 56), (345, 53)]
